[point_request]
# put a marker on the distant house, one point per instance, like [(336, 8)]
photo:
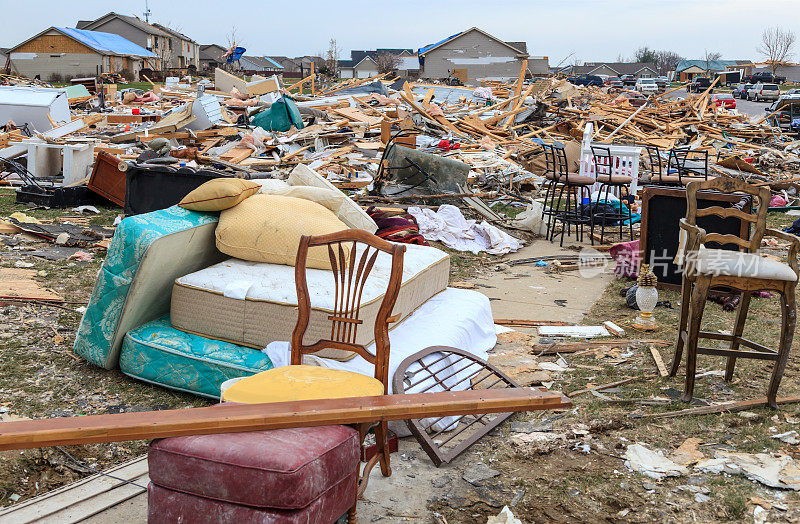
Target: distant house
[(788, 70), (474, 54), (259, 64), (72, 53), (3, 58), (364, 64), (174, 49), (184, 52), (289, 65), (211, 57), (686, 70), (637, 69)]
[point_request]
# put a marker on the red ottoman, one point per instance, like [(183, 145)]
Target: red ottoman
[(288, 475)]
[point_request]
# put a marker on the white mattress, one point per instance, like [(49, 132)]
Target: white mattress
[(241, 279), (255, 303)]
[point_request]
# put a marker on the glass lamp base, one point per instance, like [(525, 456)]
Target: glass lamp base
[(645, 322)]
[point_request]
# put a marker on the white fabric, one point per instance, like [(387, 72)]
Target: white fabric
[(459, 318), (264, 281), (270, 185), (450, 227), (723, 262)]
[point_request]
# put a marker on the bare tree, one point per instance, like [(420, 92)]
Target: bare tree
[(387, 62), (331, 65), (667, 61), (710, 56), (777, 45)]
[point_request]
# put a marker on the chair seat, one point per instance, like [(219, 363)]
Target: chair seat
[(573, 179), (614, 179), (302, 382), (722, 262)]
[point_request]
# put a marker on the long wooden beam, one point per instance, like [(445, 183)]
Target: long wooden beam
[(233, 418)]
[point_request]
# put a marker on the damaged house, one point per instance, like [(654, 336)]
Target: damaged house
[(475, 54), (69, 53)]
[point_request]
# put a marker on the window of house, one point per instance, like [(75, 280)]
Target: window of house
[(170, 44)]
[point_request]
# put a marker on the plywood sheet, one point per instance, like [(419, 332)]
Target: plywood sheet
[(20, 283)]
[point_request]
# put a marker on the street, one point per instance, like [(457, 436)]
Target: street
[(754, 110)]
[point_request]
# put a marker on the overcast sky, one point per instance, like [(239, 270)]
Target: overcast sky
[(592, 30)]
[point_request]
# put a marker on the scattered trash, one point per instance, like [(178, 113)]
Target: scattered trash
[(504, 517), (652, 463)]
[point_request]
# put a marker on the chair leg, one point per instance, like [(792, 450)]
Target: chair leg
[(695, 319), (738, 329), (789, 317), (557, 214), (382, 441), (351, 516), (686, 297)]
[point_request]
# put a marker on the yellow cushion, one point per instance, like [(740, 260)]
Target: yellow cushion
[(303, 382), (267, 228), (219, 194)]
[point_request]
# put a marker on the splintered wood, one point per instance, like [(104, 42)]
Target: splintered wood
[(17, 283)]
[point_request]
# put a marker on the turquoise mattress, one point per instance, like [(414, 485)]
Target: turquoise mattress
[(160, 354), (134, 285)]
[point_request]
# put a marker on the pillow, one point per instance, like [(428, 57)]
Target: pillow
[(270, 185), (219, 194), (267, 228), (349, 212)]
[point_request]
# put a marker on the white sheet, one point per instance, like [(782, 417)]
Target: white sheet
[(459, 318), (449, 226)]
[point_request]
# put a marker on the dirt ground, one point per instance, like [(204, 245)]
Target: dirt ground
[(574, 472)]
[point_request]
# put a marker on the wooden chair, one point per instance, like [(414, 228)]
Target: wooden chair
[(352, 253), (742, 270)]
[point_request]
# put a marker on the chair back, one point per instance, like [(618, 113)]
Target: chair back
[(555, 158), (688, 162), (654, 154), (603, 161), (353, 254), (758, 219)]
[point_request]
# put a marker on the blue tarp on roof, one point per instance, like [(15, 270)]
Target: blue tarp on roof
[(277, 65), (431, 46), (106, 42)]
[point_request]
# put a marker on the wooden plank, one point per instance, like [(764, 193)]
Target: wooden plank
[(18, 283), (726, 407), (81, 499), (662, 369), (231, 418)]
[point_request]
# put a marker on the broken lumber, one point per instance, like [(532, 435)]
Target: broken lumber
[(726, 407), (234, 418)]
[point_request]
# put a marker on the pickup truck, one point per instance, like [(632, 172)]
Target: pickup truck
[(764, 77), (785, 113), (586, 80), (646, 86), (698, 85), (628, 80)]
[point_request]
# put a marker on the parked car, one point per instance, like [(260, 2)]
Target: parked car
[(740, 91), (628, 80), (586, 80), (761, 92), (662, 82), (765, 77), (785, 113), (615, 82), (699, 85), (724, 99), (647, 86)]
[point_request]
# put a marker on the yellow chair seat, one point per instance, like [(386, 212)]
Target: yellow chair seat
[(302, 382)]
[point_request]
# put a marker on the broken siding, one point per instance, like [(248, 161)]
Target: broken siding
[(481, 56), (68, 65)]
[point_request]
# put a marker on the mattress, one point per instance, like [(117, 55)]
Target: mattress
[(255, 303), (156, 352), (146, 255)]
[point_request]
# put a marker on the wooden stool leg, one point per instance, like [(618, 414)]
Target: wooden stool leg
[(382, 441), (686, 297), (738, 329), (788, 319), (351, 516), (698, 304)]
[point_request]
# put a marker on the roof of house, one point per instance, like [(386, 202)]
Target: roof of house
[(132, 20), (174, 33), (711, 65), (262, 61), (513, 45), (103, 43)]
